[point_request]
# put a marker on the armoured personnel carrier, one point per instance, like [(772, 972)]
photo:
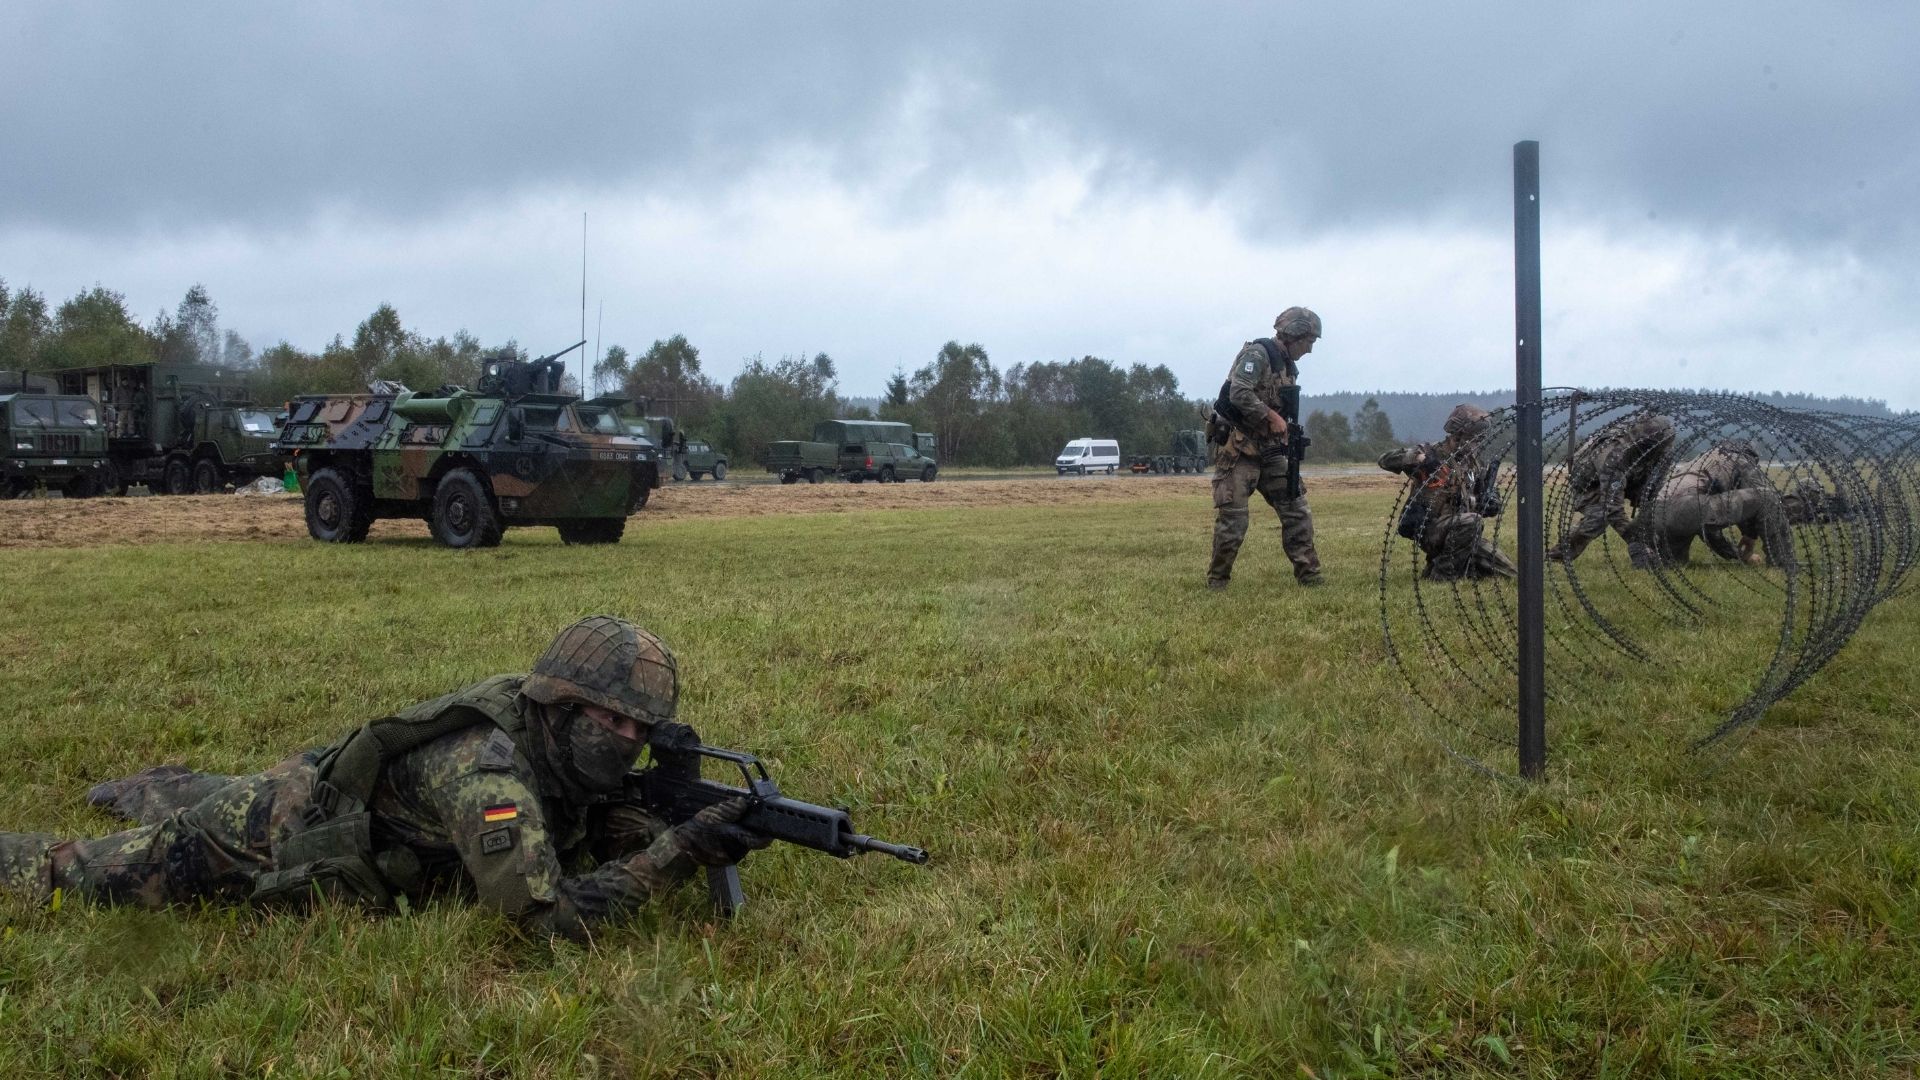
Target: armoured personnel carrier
[(513, 451)]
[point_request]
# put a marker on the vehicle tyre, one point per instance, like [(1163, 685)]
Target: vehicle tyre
[(206, 477), (679, 470), (887, 476), (815, 475), (111, 482), (593, 531), (927, 474), (15, 489), (336, 512), (854, 478), (719, 470), (1110, 470), (178, 477), (463, 512)]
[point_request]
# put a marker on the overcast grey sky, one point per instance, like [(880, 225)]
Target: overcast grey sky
[(1731, 189)]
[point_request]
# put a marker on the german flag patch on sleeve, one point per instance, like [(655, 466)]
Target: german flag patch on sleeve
[(499, 812)]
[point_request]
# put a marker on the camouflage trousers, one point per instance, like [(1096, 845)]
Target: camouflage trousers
[(1595, 507), (1234, 482), (1671, 525), (1457, 548), (199, 836)]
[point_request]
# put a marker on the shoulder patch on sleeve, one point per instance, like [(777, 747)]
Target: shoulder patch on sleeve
[(495, 841), (1247, 367), (497, 754)]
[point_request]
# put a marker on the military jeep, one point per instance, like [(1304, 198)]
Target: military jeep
[(514, 452)]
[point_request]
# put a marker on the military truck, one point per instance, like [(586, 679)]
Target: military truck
[(856, 450), (180, 429), (50, 440), (512, 452), (1188, 454)]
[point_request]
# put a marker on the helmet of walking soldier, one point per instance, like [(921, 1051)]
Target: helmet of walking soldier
[(1296, 322), (607, 661), (1468, 421)]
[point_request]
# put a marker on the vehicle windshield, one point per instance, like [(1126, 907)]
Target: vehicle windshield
[(55, 412), (257, 422), (1073, 451)]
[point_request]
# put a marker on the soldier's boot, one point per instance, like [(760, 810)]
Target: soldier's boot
[(26, 865), (1229, 532), (151, 794), (1640, 556)]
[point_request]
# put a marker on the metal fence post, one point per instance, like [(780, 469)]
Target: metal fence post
[(1532, 599)]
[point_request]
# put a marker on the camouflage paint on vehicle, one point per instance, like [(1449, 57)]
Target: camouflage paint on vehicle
[(514, 453)]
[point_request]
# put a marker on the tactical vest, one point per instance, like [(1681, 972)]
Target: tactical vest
[(331, 852), (1288, 405)]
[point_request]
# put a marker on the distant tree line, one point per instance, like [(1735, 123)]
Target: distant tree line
[(981, 414)]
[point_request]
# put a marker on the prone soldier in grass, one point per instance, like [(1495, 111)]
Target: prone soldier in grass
[(496, 790), (1452, 498), (1255, 428)]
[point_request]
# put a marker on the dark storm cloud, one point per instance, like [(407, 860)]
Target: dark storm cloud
[(1784, 122)]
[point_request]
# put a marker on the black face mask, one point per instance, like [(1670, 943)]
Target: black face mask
[(588, 756)]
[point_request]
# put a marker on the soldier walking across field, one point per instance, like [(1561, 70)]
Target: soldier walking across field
[(497, 791), (1609, 470), (1253, 429), (1452, 498)]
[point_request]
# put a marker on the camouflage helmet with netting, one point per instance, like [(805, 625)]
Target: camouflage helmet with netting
[(1468, 421), (607, 661), (1296, 322)]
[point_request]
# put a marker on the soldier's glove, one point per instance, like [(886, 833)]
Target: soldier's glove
[(711, 838), (623, 828)]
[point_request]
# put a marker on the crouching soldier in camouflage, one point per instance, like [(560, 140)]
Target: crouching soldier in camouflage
[(1610, 469), (496, 790), (1703, 496), (1452, 498), (1250, 428)]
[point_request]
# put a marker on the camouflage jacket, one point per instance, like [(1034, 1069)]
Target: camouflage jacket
[(1621, 455), (1253, 386), (1444, 482), (479, 815), (1721, 469)]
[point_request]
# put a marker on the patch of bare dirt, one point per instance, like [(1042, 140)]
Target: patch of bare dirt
[(204, 518)]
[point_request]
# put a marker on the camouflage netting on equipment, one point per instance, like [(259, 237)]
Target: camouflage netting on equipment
[(1806, 522)]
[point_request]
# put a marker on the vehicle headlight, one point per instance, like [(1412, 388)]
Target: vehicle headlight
[(23, 446)]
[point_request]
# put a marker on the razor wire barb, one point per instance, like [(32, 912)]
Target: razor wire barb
[(1823, 507)]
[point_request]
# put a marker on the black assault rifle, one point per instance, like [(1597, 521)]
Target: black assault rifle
[(673, 790)]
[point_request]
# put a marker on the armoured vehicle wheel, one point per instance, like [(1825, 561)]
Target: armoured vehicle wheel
[(887, 476), (206, 477), (719, 470), (336, 514), (639, 499), (463, 513), (927, 474), (816, 475), (593, 531), (178, 477)]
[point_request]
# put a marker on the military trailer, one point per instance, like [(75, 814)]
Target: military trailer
[(512, 452), (1188, 454), (181, 429), (856, 450), (49, 440)]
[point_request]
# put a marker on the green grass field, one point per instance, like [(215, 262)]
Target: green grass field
[(1175, 833)]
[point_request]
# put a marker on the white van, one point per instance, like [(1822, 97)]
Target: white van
[(1088, 455)]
